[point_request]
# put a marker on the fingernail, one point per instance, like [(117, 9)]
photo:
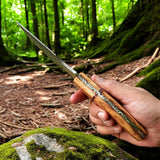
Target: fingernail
[(98, 79), (101, 115), (117, 129), (107, 123)]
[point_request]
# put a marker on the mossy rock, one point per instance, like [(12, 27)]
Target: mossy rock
[(60, 144), (151, 82), (150, 68)]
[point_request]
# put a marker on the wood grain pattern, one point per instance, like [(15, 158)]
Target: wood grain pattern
[(104, 105)]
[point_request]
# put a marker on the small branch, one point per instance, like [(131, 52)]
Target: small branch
[(142, 67), (10, 68), (55, 86), (60, 94), (11, 125), (3, 135), (58, 105), (54, 104)]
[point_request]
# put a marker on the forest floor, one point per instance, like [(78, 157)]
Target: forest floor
[(40, 99)]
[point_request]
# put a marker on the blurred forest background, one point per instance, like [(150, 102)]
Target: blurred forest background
[(67, 27)]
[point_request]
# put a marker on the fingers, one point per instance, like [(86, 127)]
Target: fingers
[(78, 97), (112, 87), (108, 123), (105, 124), (114, 130), (97, 112), (118, 90)]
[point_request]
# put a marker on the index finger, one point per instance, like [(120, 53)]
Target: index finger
[(78, 97)]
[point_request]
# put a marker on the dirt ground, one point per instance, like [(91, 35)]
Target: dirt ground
[(39, 99)]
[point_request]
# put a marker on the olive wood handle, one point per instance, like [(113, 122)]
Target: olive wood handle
[(120, 115)]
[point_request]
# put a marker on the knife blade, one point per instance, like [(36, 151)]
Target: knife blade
[(95, 93)]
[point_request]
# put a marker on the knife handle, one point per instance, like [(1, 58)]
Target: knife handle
[(107, 103)]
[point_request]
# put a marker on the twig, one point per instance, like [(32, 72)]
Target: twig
[(3, 110), (10, 68), (22, 71), (11, 125), (52, 105), (55, 86), (2, 135), (14, 113), (60, 94), (142, 67), (66, 79)]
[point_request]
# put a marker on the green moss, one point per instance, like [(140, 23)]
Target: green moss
[(7, 152), (152, 82), (39, 151), (108, 67), (150, 68), (137, 36), (87, 146)]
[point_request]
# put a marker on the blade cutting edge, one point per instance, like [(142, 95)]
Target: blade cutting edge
[(49, 52)]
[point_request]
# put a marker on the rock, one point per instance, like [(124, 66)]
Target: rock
[(56, 143)]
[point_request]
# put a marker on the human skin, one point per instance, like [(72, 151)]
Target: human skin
[(142, 105)]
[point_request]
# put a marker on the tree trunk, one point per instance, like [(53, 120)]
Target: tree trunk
[(57, 45), (87, 20), (83, 21), (113, 15), (5, 58), (136, 37), (62, 12), (35, 23), (94, 22), (28, 44), (46, 24)]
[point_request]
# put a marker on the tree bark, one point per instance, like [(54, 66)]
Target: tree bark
[(113, 15), (28, 44), (57, 45), (137, 36), (35, 23), (46, 24), (5, 58), (62, 12), (94, 22), (87, 19), (83, 21)]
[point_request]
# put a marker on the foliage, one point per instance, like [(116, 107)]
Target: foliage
[(136, 37), (72, 27)]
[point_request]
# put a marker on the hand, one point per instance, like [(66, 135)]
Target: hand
[(143, 106)]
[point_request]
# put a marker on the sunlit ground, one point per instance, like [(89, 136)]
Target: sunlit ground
[(27, 79)]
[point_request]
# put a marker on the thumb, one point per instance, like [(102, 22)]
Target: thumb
[(118, 90)]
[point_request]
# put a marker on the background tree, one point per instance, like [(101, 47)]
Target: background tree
[(87, 20), (35, 22), (46, 24), (83, 20), (28, 43), (113, 15), (62, 7), (5, 58), (94, 22), (57, 45), (136, 37), (74, 30)]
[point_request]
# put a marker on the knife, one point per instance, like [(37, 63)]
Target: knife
[(95, 93)]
